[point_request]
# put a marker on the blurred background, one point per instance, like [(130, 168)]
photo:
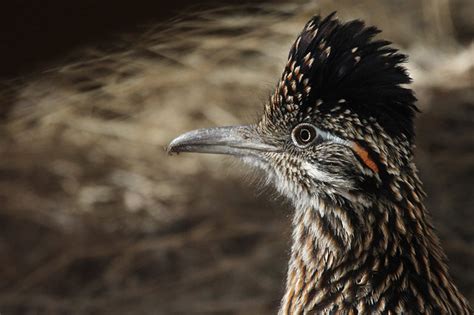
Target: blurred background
[(95, 218)]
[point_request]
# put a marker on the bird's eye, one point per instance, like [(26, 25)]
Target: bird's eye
[(304, 135)]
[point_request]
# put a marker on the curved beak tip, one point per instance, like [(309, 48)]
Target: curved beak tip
[(169, 149), (183, 143), (172, 148)]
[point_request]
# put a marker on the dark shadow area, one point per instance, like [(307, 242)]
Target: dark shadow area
[(34, 33)]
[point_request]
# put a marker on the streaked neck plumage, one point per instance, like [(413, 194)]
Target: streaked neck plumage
[(375, 258)]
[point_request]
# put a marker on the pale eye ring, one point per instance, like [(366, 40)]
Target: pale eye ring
[(304, 135)]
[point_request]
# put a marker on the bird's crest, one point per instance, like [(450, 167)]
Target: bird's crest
[(333, 64)]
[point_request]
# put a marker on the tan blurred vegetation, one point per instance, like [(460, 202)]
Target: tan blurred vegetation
[(96, 218)]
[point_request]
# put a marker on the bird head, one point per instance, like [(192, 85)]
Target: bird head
[(339, 125)]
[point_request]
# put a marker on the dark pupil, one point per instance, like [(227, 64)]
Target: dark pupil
[(305, 135)]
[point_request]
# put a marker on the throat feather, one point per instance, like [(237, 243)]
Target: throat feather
[(362, 260)]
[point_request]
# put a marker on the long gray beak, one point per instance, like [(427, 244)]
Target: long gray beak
[(233, 140)]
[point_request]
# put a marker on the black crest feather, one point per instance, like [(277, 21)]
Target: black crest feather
[(343, 61)]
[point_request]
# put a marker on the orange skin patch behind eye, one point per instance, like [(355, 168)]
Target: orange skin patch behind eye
[(364, 156)]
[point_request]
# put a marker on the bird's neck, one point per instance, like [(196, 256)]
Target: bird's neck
[(369, 260)]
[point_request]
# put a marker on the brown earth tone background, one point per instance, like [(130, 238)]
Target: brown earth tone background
[(95, 218)]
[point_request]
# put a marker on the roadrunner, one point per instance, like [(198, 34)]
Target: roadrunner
[(337, 139)]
